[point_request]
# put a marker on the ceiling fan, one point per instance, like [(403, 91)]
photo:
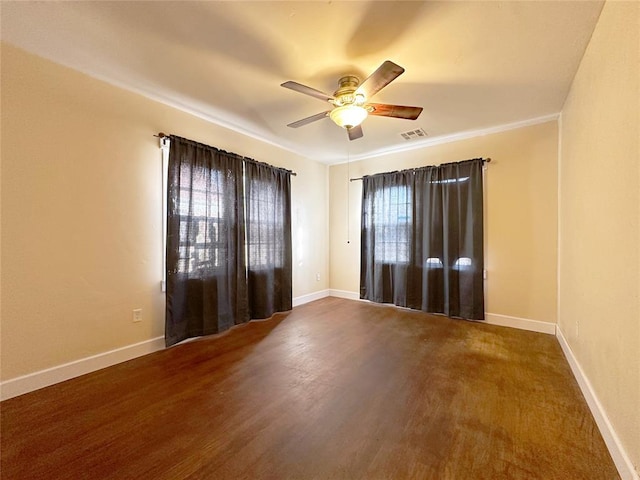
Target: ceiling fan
[(351, 100)]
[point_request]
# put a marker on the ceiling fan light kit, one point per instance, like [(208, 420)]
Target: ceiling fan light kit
[(348, 116), (350, 107)]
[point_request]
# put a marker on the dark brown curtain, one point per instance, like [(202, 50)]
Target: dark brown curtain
[(268, 209), (206, 267), (422, 239)]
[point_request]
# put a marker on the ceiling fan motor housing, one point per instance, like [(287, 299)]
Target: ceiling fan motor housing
[(346, 92)]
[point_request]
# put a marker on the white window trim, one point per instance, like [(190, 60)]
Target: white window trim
[(164, 147)]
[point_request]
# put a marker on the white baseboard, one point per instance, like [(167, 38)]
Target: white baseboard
[(620, 458), (310, 297), (520, 323), (44, 378), (490, 318), (344, 294)]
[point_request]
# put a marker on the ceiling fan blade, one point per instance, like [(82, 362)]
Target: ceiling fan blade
[(383, 76), (396, 111), (312, 118), (355, 132), (298, 87)]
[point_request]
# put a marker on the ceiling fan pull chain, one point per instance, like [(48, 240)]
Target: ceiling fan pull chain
[(348, 193)]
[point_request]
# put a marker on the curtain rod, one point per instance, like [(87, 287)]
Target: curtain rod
[(484, 160), (162, 135)]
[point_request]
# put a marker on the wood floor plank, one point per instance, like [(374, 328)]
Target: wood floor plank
[(335, 389)]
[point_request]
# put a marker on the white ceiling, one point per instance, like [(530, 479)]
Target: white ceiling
[(471, 65)]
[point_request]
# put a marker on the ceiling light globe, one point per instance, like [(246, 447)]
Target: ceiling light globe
[(348, 116)]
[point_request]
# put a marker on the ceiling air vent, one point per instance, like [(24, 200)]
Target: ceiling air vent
[(414, 134)]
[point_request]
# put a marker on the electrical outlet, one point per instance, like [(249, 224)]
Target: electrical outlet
[(317, 277), (137, 315)]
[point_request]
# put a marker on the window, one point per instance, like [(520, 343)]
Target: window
[(463, 263), (203, 212), (392, 221), (265, 218), (433, 262), (202, 229), (200, 244)]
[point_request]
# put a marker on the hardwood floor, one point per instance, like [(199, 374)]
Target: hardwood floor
[(336, 389)]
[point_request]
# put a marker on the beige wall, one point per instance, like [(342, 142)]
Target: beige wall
[(520, 216), (81, 212), (599, 247)]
